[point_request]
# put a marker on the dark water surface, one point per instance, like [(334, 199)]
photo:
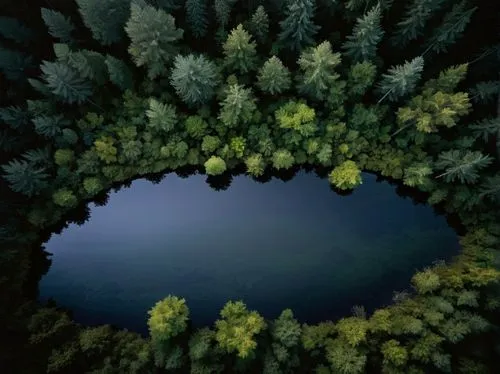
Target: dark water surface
[(275, 245)]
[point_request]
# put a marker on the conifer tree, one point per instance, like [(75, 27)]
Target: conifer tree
[(196, 16), (401, 80), (274, 77), (16, 117), (448, 79), (298, 29), (25, 178), (485, 92), (362, 44), (13, 64), (238, 107), (239, 51), (162, 117), (361, 77), (417, 14), (452, 28), (223, 11), (194, 79), (119, 73), (485, 128), (461, 165), (153, 34), (11, 28), (50, 126), (105, 19), (59, 25), (65, 82), (259, 24), (318, 74)]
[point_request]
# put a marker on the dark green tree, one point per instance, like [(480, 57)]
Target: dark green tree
[(197, 17), (274, 77), (119, 73), (194, 79), (462, 165), (223, 11), (153, 38), (162, 117), (298, 29), (59, 25), (401, 80), (14, 64), (259, 24), (25, 178), (65, 82)]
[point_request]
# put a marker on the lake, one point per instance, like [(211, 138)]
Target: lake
[(276, 245)]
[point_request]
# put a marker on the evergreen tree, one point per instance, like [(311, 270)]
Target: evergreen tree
[(60, 26), (223, 11), (367, 33), (89, 64), (298, 29), (361, 77), (239, 51), (105, 19), (13, 64), (153, 34), (238, 107), (197, 17), (461, 165), (401, 80), (417, 14), (484, 128), (485, 92), (452, 28), (162, 117), (65, 82), (448, 79), (119, 73), (11, 28), (274, 77), (25, 178), (16, 117), (50, 126), (318, 74), (194, 79), (259, 24)]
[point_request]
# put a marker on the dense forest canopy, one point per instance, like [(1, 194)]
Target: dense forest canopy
[(97, 93)]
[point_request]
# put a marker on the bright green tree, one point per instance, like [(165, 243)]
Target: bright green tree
[(215, 166), (255, 165), (394, 353), (274, 77), (194, 79), (283, 159), (239, 51), (153, 38), (298, 29), (345, 176), (210, 143), (168, 318), (65, 198)]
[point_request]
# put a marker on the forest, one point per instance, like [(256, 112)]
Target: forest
[(97, 93)]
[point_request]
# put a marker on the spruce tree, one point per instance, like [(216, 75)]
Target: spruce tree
[(119, 73), (194, 79), (367, 33), (417, 14), (238, 107), (239, 51), (14, 64), (197, 17), (153, 34), (162, 117), (318, 70), (461, 165), (448, 79), (59, 25), (25, 178), (105, 19), (361, 77), (274, 77), (298, 29), (401, 80), (222, 11), (259, 24), (65, 82)]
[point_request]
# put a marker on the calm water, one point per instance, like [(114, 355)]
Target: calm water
[(276, 245)]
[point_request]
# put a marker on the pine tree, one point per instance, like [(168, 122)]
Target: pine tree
[(452, 28), (11, 28), (13, 64), (105, 19), (318, 74), (259, 24), (367, 33), (401, 80), (448, 79), (239, 51), (65, 82), (119, 73), (196, 16), (162, 117), (238, 107), (361, 77), (417, 13), (298, 29), (194, 79), (60, 26), (153, 34), (25, 178), (274, 77), (461, 165)]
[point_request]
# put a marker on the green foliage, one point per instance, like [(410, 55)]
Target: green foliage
[(367, 34), (168, 318), (238, 107), (196, 127), (60, 27), (394, 354), (14, 116), (448, 79), (426, 281), (401, 80), (119, 73), (237, 329), (25, 178), (259, 24), (283, 159), (11, 28), (298, 29), (210, 144), (239, 51), (105, 149), (361, 77), (215, 166), (274, 77), (65, 198), (417, 175), (286, 330), (485, 92), (296, 116), (197, 17), (92, 185), (344, 358), (65, 82), (89, 64), (64, 157), (452, 28), (461, 165), (194, 79), (255, 165), (153, 36), (13, 64), (162, 117), (105, 19), (346, 176), (237, 145), (223, 10)]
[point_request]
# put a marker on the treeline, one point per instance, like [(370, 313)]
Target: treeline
[(102, 92)]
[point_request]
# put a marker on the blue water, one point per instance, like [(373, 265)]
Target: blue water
[(276, 245)]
